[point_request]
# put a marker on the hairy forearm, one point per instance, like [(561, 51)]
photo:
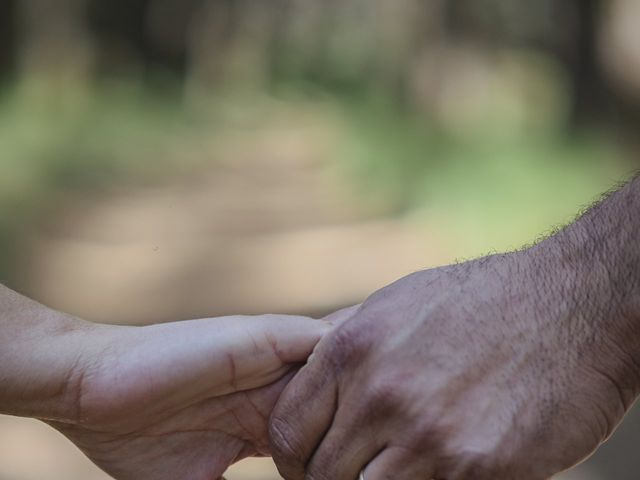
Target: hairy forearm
[(39, 352), (598, 261)]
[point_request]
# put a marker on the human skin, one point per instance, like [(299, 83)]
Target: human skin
[(510, 367), (179, 400)]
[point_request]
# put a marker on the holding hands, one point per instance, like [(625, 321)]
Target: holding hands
[(510, 367)]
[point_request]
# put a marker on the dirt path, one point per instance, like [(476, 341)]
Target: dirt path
[(265, 227)]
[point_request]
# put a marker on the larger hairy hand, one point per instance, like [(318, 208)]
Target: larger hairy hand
[(492, 369), (182, 400)]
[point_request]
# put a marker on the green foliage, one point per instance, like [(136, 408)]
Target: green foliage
[(57, 142), (490, 190)]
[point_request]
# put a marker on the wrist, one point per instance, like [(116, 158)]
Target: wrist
[(595, 293), (43, 365)]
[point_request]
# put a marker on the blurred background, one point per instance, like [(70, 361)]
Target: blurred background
[(173, 159)]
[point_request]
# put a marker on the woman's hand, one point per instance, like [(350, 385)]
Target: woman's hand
[(182, 400)]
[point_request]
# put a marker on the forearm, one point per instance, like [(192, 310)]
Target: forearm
[(597, 260), (40, 350)]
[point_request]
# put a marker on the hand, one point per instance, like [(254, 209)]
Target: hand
[(182, 400), (492, 369)]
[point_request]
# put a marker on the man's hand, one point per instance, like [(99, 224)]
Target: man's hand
[(511, 367)]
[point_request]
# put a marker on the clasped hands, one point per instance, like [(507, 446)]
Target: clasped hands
[(473, 371), (508, 367)]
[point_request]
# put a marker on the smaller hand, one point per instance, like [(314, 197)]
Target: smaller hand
[(183, 400)]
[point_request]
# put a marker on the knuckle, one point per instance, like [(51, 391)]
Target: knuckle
[(286, 447), (385, 394), (347, 345)]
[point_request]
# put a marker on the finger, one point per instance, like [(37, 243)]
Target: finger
[(348, 446), (301, 417), (395, 463), (198, 359), (261, 348), (291, 338)]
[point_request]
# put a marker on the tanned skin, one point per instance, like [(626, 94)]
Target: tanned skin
[(510, 367), (174, 401)]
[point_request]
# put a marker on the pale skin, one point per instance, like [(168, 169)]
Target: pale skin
[(510, 367), (180, 400)]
